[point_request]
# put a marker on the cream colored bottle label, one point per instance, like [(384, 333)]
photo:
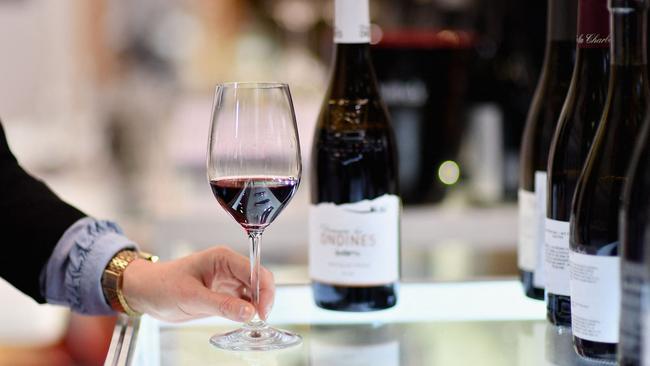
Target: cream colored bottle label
[(526, 257), (540, 223), (556, 257), (355, 244), (595, 296)]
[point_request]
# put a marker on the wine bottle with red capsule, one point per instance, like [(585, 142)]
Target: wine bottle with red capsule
[(575, 132)]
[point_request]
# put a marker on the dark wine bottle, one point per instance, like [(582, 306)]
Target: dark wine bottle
[(594, 238), (635, 222), (635, 255), (542, 119), (575, 132), (354, 217)]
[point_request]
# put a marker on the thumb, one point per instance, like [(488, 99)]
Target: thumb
[(209, 303)]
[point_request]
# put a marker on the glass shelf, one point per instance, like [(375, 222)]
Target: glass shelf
[(465, 323)]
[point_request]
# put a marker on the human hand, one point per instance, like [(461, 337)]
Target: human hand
[(215, 281)]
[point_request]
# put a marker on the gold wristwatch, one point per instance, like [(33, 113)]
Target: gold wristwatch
[(113, 276)]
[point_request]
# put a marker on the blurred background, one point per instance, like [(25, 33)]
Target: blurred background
[(109, 103)]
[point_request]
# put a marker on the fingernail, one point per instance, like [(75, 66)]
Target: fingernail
[(245, 312)]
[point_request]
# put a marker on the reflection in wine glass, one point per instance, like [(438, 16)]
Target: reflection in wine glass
[(254, 202)]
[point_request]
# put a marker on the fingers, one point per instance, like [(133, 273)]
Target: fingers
[(204, 302), (236, 266), (225, 277), (226, 260)]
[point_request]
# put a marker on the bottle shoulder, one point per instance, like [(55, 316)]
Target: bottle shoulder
[(602, 183), (353, 113), (576, 128), (541, 122)]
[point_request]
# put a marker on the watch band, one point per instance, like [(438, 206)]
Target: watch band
[(113, 277)]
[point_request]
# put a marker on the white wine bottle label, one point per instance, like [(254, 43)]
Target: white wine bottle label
[(526, 257), (351, 21), (633, 276), (595, 296), (540, 221), (556, 257), (355, 244)]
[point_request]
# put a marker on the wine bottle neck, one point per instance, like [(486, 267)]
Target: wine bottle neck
[(353, 74), (593, 25), (593, 40), (592, 62), (629, 26), (560, 38), (562, 19), (353, 56)]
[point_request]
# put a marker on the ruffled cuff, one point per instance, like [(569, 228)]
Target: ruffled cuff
[(75, 269)]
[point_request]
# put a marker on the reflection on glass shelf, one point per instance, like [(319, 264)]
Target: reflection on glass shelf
[(365, 344), (559, 348), (486, 343), (488, 323)]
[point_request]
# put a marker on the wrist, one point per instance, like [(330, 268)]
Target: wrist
[(114, 276), (132, 282)]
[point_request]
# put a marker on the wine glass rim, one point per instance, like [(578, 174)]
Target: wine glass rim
[(252, 85)]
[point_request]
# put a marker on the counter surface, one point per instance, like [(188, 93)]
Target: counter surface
[(462, 323)]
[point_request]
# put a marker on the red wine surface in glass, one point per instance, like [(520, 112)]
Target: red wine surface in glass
[(254, 202)]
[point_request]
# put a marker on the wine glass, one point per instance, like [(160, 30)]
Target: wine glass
[(254, 169)]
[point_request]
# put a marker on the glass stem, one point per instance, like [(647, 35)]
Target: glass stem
[(256, 238)]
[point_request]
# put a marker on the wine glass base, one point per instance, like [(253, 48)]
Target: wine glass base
[(250, 338)]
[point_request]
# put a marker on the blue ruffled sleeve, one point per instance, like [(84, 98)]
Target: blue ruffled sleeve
[(72, 275)]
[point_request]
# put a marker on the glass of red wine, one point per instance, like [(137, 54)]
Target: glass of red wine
[(254, 168)]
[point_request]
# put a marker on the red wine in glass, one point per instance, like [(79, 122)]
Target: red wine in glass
[(254, 202)]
